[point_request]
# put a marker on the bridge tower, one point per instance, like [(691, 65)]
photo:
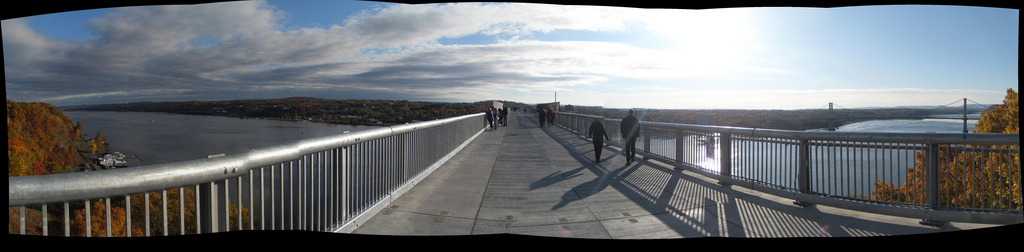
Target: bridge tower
[(831, 118), (965, 115)]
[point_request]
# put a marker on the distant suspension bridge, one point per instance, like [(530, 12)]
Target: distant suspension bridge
[(964, 116)]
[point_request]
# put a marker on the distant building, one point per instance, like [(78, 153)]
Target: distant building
[(552, 105), (115, 159)]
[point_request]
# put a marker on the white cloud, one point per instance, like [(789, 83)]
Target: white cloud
[(145, 48), (240, 49)]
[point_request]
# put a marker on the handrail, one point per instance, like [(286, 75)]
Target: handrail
[(921, 138), (832, 168), (328, 174), (28, 190)]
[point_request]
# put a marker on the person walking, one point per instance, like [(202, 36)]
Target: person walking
[(541, 113), (490, 120), (494, 112), (504, 116), (596, 131), (630, 129), (551, 117)]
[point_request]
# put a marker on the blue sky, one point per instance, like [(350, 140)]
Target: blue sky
[(730, 58)]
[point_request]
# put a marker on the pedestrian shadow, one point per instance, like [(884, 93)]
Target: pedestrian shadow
[(606, 172), (700, 207)]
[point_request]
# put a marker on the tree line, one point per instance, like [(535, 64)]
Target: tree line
[(352, 111)]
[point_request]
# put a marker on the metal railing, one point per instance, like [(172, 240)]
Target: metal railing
[(327, 184), (952, 177)]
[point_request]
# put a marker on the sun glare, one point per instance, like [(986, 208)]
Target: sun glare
[(706, 41)]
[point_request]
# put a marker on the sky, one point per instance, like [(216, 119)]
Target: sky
[(759, 57)]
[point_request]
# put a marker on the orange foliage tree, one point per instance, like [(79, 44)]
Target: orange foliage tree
[(38, 134), (155, 215), (97, 221), (968, 179)]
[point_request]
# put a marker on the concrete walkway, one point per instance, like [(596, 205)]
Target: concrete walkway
[(543, 181)]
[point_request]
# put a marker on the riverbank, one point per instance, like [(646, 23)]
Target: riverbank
[(87, 158)]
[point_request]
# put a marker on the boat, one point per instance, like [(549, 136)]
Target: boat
[(113, 160)]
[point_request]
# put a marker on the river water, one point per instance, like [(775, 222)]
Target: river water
[(910, 126), (164, 137), (837, 171), (158, 138)]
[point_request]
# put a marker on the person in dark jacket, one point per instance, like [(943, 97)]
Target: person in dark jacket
[(504, 116), (490, 119), (597, 132), (541, 113), (630, 129)]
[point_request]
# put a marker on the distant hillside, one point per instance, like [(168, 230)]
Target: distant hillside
[(353, 111), (805, 119), (40, 140)]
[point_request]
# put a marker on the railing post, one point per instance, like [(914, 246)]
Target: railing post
[(583, 124), (584, 128), (211, 205), (647, 140), (580, 123), (709, 145), (344, 178), (680, 146), (931, 177), (208, 207), (576, 123), (725, 156), (804, 172)]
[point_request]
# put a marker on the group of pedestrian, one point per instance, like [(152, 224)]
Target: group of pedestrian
[(630, 130), (496, 117), (546, 113)]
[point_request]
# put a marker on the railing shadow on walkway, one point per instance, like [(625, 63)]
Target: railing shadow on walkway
[(695, 206)]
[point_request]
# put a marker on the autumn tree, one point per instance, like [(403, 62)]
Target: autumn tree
[(139, 215), (40, 139), (97, 142), (97, 218), (969, 179), (78, 130), (1001, 118)]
